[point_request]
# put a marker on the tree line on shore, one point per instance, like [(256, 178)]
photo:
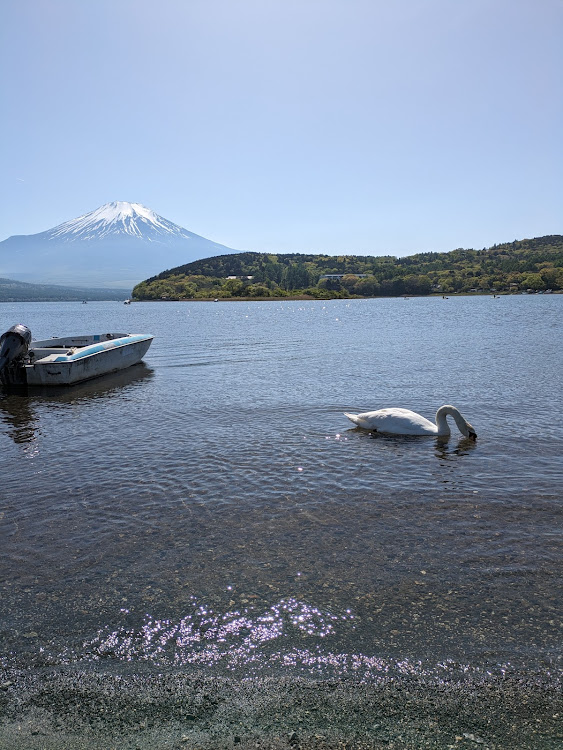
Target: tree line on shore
[(523, 265), (22, 291)]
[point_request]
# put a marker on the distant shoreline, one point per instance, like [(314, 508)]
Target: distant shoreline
[(296, 298), (309, 298)]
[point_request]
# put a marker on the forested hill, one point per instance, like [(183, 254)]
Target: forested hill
[(21, 291), (535, 264)]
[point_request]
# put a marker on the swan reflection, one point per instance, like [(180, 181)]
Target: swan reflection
[(446, 451), (444, 448)]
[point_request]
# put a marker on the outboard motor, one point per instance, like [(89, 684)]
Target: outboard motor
[(13, 345)]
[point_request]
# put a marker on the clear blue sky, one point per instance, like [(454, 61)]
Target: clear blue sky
[(339, 126)]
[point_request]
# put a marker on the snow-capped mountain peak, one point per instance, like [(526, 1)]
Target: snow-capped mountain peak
[(118, 244), (118, 218)]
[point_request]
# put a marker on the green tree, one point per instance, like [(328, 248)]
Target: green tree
[(258, 290), (368, 287), (552, 277), (533, 281), (235, 287)]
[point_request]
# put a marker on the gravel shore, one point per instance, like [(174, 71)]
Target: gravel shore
[(66, 709)]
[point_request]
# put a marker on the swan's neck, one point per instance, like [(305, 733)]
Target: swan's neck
[(442, 422)]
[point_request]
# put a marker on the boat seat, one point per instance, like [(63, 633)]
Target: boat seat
[(44, 352)]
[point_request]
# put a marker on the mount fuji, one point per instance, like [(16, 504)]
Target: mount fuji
[(117, 245)]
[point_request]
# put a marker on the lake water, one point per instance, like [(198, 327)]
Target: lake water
[(214, 509)]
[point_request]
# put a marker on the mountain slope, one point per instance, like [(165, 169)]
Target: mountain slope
[(116, 245), (18, 291)]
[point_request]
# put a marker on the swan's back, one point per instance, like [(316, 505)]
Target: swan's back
[(394, 421)]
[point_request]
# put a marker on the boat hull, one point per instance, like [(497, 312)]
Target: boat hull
[(47, 366)]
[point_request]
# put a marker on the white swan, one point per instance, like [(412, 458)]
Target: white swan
[(407, 422)]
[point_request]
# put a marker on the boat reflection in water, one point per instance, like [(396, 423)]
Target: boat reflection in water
[(18, 414), (20, 410)]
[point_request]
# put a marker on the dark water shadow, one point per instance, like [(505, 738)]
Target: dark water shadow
[(446, 447), (17, 409), (102, 387)]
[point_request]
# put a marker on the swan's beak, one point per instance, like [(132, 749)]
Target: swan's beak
[(472, 435)]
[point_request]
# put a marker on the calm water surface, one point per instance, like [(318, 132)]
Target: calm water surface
[(213, 506)]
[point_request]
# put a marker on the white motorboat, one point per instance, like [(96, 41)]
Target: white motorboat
[(67, 360)]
